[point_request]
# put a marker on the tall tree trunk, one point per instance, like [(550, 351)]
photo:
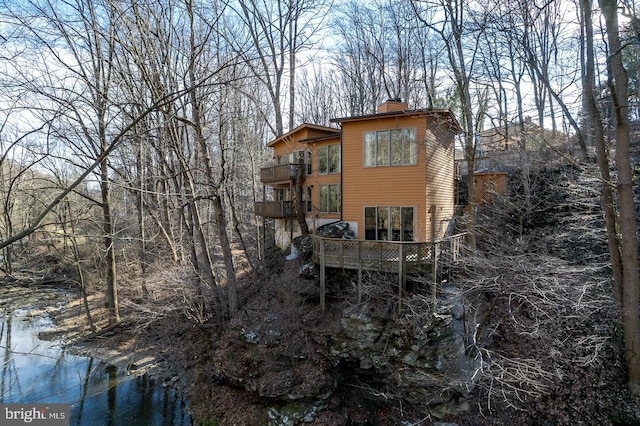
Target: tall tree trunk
[(109, 245), (300, 210), (293, 32), (141, 222), (618, 83), (189, 219), (231, 191), (594, 118), (227, 255), (215, 191)]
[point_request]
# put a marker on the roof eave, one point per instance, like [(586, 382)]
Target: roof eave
[(297, 129), (426, 111)]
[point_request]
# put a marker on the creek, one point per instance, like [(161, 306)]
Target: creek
[(35, 371)]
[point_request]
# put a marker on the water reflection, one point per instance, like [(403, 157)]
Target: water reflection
[(35, 371)]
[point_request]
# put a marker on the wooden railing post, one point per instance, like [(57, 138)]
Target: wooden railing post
[(434, 257), (359, 271), (402, 274), (322, 276)]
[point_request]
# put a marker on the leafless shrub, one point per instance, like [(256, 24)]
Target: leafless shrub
[(546, 321), (172, 293), (377, 290)]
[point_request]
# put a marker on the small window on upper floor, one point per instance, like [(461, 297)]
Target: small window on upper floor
[(307, 161), (307, 199), (395, 147)]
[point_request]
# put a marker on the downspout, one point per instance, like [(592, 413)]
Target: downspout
[(341, 174)]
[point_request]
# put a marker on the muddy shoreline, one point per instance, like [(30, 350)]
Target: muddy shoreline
[(127, 346)]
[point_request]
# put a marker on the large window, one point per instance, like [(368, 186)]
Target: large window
[(295, 157), (394, 147), (329, 159), (389, 223), (330, 199)]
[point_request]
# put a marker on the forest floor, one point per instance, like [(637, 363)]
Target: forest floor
[(172, 350)]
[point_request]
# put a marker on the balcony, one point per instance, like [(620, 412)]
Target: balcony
[(279, 173), (275, 209)]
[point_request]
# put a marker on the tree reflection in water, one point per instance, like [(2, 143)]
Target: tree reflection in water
[(34, 371)]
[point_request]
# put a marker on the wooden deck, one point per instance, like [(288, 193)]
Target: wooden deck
[(384, 256)]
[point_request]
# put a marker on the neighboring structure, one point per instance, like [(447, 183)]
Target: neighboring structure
[(500, 150), (389, 175), (488, 185)]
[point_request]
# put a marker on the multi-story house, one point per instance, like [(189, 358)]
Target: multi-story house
[(389, 175)]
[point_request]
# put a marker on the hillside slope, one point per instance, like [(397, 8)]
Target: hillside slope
[(553, 331), (526, 332)]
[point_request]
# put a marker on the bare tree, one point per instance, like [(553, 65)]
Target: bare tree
[(630, 285), (82, 48), (361, 56), (269, 36), (459, 28)]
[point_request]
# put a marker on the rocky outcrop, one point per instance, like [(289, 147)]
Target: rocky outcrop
[(418, 358), (288, 367)]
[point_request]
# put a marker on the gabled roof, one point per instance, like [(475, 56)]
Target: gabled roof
[(445, 114), (329, 132)]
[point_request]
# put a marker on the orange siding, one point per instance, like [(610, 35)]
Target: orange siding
[(440, 182), (429, 182), (407, 185)]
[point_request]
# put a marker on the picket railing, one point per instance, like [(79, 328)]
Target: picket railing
[(385, 256)]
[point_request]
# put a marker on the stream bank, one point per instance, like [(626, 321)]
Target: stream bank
[(112, 375)]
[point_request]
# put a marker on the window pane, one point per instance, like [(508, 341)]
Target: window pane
[(370, 149), (308, 162), (334, 158), (383, 148), (409, 146), (282, 194), (334, 198), (395, 224), (322, 160), (383, 223), (323, 198), (407, 224), (307, 199), (396, 147), (369, 223)]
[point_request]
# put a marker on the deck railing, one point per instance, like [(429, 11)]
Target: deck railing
[(282, 172), (275, 209), (386, 256)]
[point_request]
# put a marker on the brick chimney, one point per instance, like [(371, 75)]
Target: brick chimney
[(391, 105)]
